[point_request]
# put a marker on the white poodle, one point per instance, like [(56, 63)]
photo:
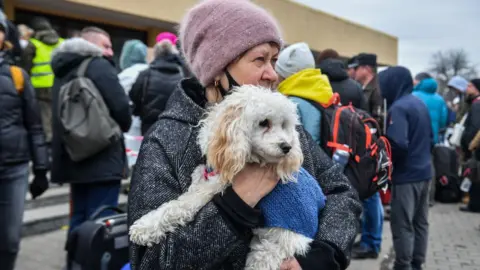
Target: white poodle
[(252, 125)]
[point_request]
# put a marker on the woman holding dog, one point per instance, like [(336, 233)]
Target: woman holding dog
[(228, 43)]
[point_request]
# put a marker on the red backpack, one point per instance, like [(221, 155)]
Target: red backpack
[(347, 128)]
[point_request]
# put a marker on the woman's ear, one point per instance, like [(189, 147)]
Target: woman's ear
[(228, 147)]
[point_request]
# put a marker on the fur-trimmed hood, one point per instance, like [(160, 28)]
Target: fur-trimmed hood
[(78, 46), (71, 53)]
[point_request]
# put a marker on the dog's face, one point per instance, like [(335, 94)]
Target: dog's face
[(252, 124)]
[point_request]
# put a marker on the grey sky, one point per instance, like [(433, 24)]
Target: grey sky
[(422, 26)]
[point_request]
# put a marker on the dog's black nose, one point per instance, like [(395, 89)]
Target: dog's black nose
[(285, 147)]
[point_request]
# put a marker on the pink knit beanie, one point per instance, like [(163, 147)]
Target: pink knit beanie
[(167, 36), (216, 32)]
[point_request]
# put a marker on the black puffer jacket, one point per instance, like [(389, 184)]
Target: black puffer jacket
[(472, 126), (21, 133), (109, 164), (219, 236), (158, 82), (349, 90)]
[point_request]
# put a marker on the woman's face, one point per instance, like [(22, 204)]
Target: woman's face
[(256, 66), (2, 38)]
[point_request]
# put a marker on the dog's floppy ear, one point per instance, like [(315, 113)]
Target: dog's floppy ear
[(228, 146)]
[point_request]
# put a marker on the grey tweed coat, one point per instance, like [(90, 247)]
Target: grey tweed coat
[(168, 156)]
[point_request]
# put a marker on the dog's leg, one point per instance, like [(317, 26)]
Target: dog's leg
[(270, 247), (152, 227)]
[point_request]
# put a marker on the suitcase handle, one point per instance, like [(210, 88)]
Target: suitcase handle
[(101, 209)]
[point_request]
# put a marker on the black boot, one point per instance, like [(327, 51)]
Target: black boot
[(361, 252)]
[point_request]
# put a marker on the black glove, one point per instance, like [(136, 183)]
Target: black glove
[(39, 184), (322, 255)]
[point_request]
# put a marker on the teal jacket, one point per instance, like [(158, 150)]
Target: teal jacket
[(310, 117), (426, 90)]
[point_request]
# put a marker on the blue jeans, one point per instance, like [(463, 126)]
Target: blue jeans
[(372, 225), (13, 187), (87, 198)]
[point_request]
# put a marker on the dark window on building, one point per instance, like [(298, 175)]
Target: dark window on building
[(67, 27)]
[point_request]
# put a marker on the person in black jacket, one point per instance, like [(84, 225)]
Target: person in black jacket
[(154, 85), (14, 55), (349, 90), (21, 140), (472, 126), (95, 181), (366, 74)]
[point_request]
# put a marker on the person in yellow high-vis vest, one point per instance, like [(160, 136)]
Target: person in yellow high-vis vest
[(36, 61)]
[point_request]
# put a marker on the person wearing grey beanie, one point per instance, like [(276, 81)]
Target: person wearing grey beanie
[(293, 59), (227, 43), (304, 84)]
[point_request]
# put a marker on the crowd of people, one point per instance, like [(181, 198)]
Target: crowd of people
[(165, 100)]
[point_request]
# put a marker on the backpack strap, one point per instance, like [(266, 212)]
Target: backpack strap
[(336, 126), (145, 85), (326, 124), (83, 67), (18, 79)]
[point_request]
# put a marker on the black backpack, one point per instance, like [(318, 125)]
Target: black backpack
[(347, 128), (447, 181)]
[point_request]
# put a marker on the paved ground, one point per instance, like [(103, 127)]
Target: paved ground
[(42, 252), (454, 245), (454, 240)]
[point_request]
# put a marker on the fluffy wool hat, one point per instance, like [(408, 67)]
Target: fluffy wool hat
[(215, 32), (167, 36), (293, 59), (458, 83), (133, 52)]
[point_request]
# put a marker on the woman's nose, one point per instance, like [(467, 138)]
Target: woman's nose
[(270, 74)]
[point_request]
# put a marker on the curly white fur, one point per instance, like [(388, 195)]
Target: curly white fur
[(253, 124)]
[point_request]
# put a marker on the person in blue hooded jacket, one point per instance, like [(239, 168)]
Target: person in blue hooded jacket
[(426, 90), (410, 134)]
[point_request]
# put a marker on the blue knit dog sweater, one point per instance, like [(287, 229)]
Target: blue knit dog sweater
[(295, 206)]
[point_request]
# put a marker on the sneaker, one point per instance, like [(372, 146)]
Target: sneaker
[(361, 253)]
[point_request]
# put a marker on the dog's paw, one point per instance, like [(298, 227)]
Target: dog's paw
[(145, 235)]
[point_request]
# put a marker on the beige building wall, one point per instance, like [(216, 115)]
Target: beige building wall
[(299, 23)]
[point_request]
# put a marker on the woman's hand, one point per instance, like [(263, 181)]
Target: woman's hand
[(254, 182), (290, 264)]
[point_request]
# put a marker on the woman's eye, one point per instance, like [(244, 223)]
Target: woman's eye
[(260, 59), (274, 61), (265, 123)]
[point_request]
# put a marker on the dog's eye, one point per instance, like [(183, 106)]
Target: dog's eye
[(265, 123)]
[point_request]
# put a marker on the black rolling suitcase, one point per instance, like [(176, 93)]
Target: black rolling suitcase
[(447, 181), (99, 243)]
